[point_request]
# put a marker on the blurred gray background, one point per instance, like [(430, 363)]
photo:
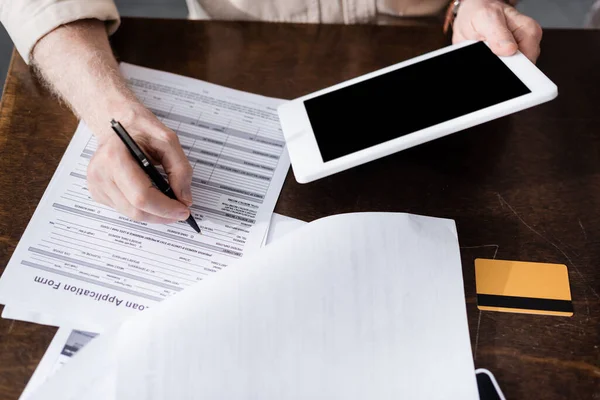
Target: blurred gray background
[(549, 13)]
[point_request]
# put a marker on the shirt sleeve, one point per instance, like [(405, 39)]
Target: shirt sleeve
[(27, 21)]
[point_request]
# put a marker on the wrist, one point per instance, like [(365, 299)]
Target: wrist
[(455, 5), (122, 107)]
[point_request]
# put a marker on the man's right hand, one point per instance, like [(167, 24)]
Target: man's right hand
[(115, 179), (77, 63)]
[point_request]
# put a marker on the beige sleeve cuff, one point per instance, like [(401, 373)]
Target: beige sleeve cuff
[(27, 21)]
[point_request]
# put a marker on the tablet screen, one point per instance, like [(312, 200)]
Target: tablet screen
[(410, 99)]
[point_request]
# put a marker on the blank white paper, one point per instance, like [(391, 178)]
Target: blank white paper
[(353, 306)]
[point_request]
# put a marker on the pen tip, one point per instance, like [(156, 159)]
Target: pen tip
[(193, 224)]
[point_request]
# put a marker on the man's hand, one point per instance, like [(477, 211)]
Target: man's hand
[(501, 25), (115, 179), (77, 63)]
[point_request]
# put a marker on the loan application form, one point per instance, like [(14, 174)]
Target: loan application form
[(86, 265)]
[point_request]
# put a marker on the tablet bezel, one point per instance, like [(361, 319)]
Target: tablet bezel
[(307, 162)]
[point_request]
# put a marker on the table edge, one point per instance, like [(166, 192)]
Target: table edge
[(11, 65)]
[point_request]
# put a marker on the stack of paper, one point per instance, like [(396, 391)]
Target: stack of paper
[(67, 342), (354, 306)]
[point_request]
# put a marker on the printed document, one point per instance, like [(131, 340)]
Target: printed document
[(87, 266)]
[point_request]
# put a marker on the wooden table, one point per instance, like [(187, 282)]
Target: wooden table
[(525, 187)]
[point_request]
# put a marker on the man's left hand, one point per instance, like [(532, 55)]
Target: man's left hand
[(504, 28)]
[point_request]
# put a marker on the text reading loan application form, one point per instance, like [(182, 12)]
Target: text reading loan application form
[(87, 265)]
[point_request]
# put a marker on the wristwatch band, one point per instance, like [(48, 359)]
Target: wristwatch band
[(453, 10), (451, 14)]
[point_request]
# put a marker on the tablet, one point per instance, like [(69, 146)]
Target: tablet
[(407, 104)]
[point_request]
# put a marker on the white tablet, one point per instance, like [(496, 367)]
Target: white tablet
[(407, 104)]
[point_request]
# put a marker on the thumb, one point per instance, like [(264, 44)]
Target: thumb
[(169, 153), (491, 24)]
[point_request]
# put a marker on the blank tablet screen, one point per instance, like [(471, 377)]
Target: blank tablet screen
[(409, 99)]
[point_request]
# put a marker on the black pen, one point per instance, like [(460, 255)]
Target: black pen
[(144, 163)]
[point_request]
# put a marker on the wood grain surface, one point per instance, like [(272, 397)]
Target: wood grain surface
[(524, 187)]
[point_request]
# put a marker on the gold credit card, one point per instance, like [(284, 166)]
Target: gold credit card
[(523, 287)]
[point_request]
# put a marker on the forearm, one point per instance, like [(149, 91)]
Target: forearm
[(77, 63)]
